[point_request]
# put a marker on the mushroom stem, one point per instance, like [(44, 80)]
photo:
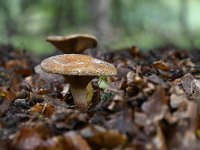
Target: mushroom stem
[(78, 87)]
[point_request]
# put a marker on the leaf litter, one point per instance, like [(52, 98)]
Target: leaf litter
[(152, 103)]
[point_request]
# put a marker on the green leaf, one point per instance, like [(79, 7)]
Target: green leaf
[(102, 82)]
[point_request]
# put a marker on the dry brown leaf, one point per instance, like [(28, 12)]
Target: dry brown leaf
[(159, 139), (7, 93), (135, 51), (20, 66), (69, 119), (161, 65), (27, 139), (190, 84), (178, 97), (156, 105), (73, 141), (45, 109), (99, 137), (140, 119), (16, 62), (54, 143)]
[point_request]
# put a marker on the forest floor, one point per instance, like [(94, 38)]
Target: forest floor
[(152, 103)]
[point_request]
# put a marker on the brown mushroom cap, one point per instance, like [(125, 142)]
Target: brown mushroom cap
[(75, 43), (77, 64)]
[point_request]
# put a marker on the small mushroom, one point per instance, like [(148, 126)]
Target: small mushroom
[(78, 70), (73, 44)]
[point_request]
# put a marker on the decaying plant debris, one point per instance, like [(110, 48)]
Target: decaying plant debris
[(152, 103)]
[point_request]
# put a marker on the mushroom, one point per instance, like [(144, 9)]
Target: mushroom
[(73, 44), (78, 70)]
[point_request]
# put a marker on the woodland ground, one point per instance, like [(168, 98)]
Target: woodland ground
[(152, 103)]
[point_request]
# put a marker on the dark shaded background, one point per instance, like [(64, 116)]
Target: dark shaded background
[(116, 23)]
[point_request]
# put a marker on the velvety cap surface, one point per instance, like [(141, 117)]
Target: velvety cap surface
[(77, 64), (75, 43)]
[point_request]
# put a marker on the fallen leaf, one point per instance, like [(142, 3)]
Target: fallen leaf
[(155, 107), (99, 137), (178, 97), (161, 65), (45, 109), (73, 141), (27, 139)]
